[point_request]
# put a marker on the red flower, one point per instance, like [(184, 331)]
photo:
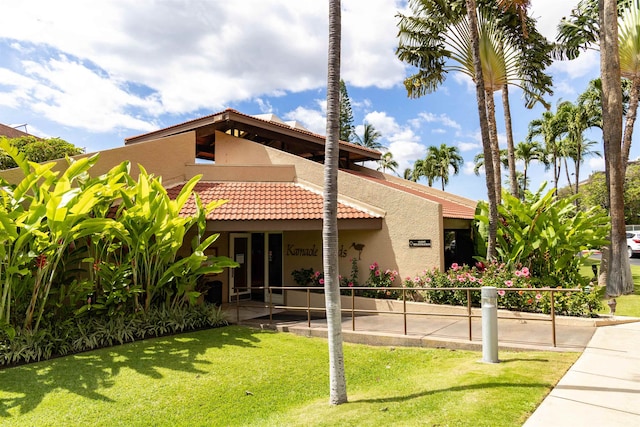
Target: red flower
[(41, 261)]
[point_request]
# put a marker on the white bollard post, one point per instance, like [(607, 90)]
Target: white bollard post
[(489, 324)]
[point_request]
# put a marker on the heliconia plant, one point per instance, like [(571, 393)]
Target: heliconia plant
[(546, 234), (127, 231)]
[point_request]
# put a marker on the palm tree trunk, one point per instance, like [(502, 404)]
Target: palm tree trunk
[(578, 161), (566, 172), (619, 276), (511, 155), (337, 381), (495, 146), (632, 112), (484, 130)]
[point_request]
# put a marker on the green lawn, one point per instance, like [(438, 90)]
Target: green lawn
[(627, 305), (236, 376)]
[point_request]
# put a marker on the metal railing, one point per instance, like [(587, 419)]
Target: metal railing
[(353, 310)]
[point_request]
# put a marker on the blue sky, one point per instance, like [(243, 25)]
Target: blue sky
[(94, 73)]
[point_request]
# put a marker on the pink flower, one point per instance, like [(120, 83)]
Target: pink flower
[(518, 273), (472, 279), (317, 274), (417, 279), (372, 266), (538, 296), (321, 281), (480, 281), (461, 278), (428, 279), (351, 284), (501, 292), (377, 273), (508, 283), (408, 278), (525, 271), (454, 266)]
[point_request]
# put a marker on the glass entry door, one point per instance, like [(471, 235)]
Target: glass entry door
[(240, 280), (273, 261)]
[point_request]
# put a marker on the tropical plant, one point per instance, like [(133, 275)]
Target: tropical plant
[(337, 380), (547, 235)]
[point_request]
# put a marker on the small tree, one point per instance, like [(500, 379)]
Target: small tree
[(38, 150)]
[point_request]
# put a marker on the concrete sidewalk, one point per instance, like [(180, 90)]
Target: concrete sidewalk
[(602, 388)]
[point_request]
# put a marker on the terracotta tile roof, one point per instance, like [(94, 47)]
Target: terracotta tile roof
[(450, 208), (250, 201)]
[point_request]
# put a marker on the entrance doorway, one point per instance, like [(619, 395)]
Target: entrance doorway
[(260, 258)]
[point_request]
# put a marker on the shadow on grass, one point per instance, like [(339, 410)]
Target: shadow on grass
[(84, 373), (468, 387)]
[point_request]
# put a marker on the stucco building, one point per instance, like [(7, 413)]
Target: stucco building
[(271, 173)]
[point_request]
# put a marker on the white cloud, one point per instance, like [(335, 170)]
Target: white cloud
[(314, 120), (442, 119), (468, 146), (204, 56)]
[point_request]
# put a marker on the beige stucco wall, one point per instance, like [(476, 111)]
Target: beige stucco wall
[(164, 157), (406, 216)]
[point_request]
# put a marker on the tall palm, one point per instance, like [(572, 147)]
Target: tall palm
[(549, 128), (440, 31), (613, 25), (408, 175), (621, 283), (575, 119), (387, 162), (422, 168), (528, 151), (337, 381), (443, 159), (370, 138), (478, 161)]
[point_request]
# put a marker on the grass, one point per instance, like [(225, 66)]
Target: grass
[(627, 305), (236, 376)]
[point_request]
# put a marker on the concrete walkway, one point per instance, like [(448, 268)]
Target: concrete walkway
[(602, 388)]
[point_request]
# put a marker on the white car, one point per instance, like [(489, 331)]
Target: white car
[(633, 243)]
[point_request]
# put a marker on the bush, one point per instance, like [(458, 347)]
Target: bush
[(517, 289), (76, 335)]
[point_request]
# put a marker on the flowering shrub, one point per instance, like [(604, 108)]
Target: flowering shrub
[(381, 279), (498, 275)]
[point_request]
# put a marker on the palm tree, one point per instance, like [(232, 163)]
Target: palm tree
[(387, 162), (337, 381), (422, 168), (591, 23), (370, 138), (478, 161), (443, 159), (549, 129), (408, 175), (617, 284), (575, 119), (528, 151), (440, 31)]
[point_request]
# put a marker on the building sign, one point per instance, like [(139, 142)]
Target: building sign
[(312, 251), (419, 243)]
